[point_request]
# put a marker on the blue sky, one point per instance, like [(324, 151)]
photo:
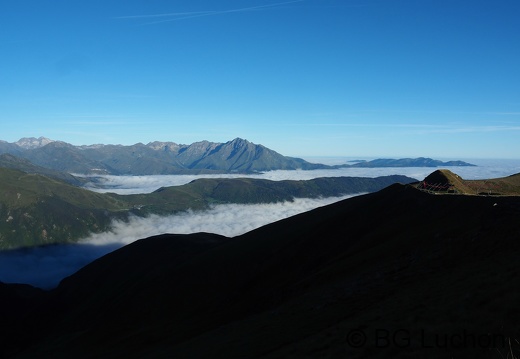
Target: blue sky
[(305, 78)]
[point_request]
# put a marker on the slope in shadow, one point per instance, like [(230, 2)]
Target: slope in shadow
[(396, 261)]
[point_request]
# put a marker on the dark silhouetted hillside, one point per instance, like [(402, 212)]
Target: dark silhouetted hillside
[(399, 261)]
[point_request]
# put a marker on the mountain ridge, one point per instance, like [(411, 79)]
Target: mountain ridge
[(32, 142), (408, 162), (445, 181), (297, 287), (235, 156), (22, 164), (37, 210)]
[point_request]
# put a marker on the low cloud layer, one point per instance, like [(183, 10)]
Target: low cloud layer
[(44, 267), (147, 184), (227, 219)]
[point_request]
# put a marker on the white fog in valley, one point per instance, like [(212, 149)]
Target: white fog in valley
[(226, 219), (146, 184), (44, 267)]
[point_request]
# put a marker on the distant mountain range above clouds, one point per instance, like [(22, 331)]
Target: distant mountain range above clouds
[(238, 155), (408, 162), (202, 157)]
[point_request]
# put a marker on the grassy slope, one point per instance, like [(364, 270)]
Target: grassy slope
[(21, 164), (504, 186), (35, 209), (509, 186), (203, 192)]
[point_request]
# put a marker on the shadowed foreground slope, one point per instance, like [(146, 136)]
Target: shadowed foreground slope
[(399, 261)]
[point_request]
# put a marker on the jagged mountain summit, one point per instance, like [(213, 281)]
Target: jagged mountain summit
[(155, 158), (32, 142), (238, 155)]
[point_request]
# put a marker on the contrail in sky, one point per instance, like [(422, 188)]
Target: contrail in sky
[(188, 13), (193, 14)]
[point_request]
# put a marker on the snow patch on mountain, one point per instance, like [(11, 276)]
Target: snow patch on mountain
[(32, 142)]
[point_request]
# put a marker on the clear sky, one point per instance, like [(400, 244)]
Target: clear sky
[(393, 78)]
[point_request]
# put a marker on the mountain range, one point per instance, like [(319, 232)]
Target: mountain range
[(37, 209), (407, 162), (399, 273), (201, 157), (236, 156), (413, 269)]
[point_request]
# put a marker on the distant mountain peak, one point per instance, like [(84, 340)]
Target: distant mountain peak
[(159, 146), (239, 140), (408, 162), (33, 142)]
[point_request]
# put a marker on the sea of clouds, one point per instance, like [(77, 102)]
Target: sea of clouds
[(44, 267), (147, 184)]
